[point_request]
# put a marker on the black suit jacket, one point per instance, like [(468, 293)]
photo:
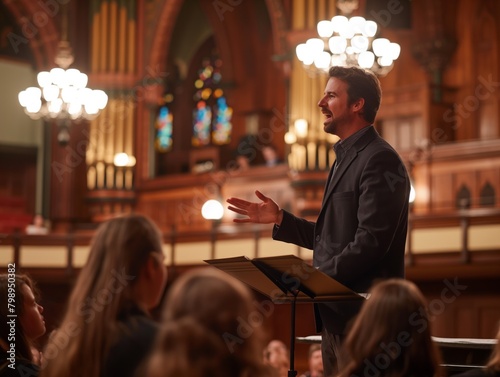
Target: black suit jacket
[(360, 233)]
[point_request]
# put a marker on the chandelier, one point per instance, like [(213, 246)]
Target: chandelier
[(62, 95), (348, 42)]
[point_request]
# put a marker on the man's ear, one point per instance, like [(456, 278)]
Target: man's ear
[(358, 105)]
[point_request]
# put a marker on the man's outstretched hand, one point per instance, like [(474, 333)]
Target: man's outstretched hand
[(265, 212)]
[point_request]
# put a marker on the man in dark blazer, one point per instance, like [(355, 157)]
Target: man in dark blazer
[(360, 233)]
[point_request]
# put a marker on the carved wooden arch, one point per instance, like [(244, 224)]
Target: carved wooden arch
[(40, 20), (279, 25), (167, 20), (163, 33)]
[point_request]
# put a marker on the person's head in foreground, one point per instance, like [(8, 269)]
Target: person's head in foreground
[(208, 329), (391, 335), (19, 299), (123, 279)]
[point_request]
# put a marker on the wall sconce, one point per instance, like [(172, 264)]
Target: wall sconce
[(212, 210)]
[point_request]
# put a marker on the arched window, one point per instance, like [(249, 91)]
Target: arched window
[(487, 196), (211, 114), (164, 128)]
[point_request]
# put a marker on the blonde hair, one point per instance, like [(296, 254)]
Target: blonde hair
[(104, 289)]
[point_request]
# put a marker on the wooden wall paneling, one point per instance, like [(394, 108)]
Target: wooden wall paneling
[(18, 172), (442, 192), (420, 174), (467, 169), (441, 316), (399, 77), (441, 129), (460, 69), (472, 311), (477, 316), (68, 176), (243, 185), (465, 322), (183, 206), (489, 319), (166, 212), (486, 33), (17, 187)]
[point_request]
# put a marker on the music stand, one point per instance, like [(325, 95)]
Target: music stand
[(286, 279)]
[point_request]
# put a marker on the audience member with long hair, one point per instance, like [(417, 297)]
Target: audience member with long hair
[(208, 330), (492, 368), (391, 335), (18, 353), (107, 330)]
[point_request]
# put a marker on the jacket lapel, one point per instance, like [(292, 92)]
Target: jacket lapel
[(333, 181), (350, 156)]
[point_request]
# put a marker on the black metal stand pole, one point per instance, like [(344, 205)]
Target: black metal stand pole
[(292, 372)]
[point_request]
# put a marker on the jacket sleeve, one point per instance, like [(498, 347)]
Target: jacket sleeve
[(295, 230)]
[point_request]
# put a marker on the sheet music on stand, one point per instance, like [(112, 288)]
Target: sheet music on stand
[(286, 279)]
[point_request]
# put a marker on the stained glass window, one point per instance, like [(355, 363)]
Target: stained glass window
[(164, 125), (221, 133), (202, 120), (212, 115)]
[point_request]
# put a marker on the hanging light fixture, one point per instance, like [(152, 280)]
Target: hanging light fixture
[(348, 42), (62, 94)]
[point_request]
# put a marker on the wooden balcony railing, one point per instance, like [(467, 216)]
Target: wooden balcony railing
[(462, 221)]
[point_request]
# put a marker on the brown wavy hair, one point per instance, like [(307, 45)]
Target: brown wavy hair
[(120, 247), (214, 305), (187, 349), (392, 334), (23, 343), (360, 84)]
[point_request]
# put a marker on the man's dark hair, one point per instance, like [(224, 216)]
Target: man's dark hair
[(360, 84)]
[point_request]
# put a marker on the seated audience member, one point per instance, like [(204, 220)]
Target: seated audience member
[(492, 369), (245, 152), (201, 334), (38, 227), (242, 162), (391, 335), (277, 355), (18, 354), (270, 155), (107, 330), (315, 361)]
